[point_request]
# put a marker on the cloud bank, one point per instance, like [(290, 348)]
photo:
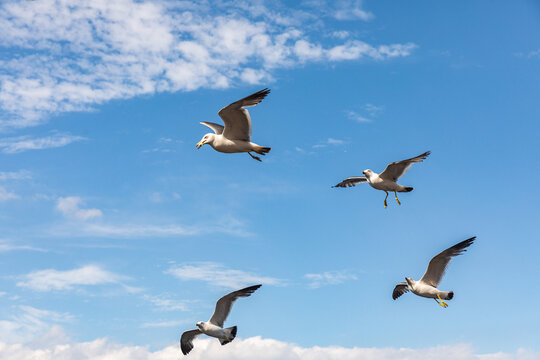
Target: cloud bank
[(64, 56), (243, 349)]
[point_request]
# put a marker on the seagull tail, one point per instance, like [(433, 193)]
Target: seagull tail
[(447, 295), (261, 150), (231, 334), (407, 189)]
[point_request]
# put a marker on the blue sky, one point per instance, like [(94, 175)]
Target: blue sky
[(115, 227)]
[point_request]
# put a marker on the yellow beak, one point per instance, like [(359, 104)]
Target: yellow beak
[(199, 144)]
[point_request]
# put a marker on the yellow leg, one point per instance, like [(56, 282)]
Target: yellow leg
[(442, 303), (385, 203), (397, 198)]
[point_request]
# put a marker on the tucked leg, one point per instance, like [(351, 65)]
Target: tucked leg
[(442, 303), (385, 203), (255, 157), (397, 198)]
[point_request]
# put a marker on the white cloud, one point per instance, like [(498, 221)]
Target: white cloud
[(69, 207), (351, 10), (330, 141), (27, 323), (97, 51), (353, 115), (6, 245), (165, 304), (329, 278), (50, 279), (7, 195), (19, 144), (265, 349), (219, 275), (15, 175), (225, 225), (170, 323)]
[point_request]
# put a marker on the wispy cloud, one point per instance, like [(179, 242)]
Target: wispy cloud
[(15, 175), (6, 245), (7, 195), (163, 303), (329, 278), (28, 322), (19, 144), (219, 275), (70, 207), (351, 10), (225, 225), (99, 50), (51, 279), (329, 141), (170, 323), (372, 111)]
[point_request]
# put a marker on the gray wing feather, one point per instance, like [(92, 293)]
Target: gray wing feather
[(396, 169), (399, 290), (352, 181), (236, 118), (218, 129), (186, 340), (437, 266), (224, 305)]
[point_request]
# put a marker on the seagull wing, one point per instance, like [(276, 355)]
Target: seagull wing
[(218, 129), (352, 181), (224, 305), (399, 290), (236, 118), (396, 169), (186, 341), (437, 265)]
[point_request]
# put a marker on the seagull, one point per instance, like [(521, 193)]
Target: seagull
[(386, 180), (214, 326), (235, 136), (427, 285)]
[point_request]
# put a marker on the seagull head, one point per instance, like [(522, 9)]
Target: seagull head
[(410, 282), (367, 172), (199, 324), (207, 139)]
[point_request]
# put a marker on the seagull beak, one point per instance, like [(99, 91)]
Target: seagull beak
[(199, 144)]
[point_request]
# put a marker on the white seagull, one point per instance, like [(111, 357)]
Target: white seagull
[(427, 285), (214, 326), (387, 180), (235, 136)]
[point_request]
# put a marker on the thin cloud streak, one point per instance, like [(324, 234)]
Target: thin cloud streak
[(14, 145), (217, 274), (51, 279)]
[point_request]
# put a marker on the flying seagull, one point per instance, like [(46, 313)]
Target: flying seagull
[(214, 326), (235, 136), (427, 285), (386, 180)]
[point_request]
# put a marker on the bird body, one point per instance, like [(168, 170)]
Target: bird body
[(220, 143), (376, 182), (424, 290), (235, 136), (207, 328)]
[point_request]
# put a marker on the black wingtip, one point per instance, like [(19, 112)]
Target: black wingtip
[(251, 288)]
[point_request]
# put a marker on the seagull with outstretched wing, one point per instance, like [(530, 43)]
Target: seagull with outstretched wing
[(235, 136), (427, 285), (214, 326), (387, 180)]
